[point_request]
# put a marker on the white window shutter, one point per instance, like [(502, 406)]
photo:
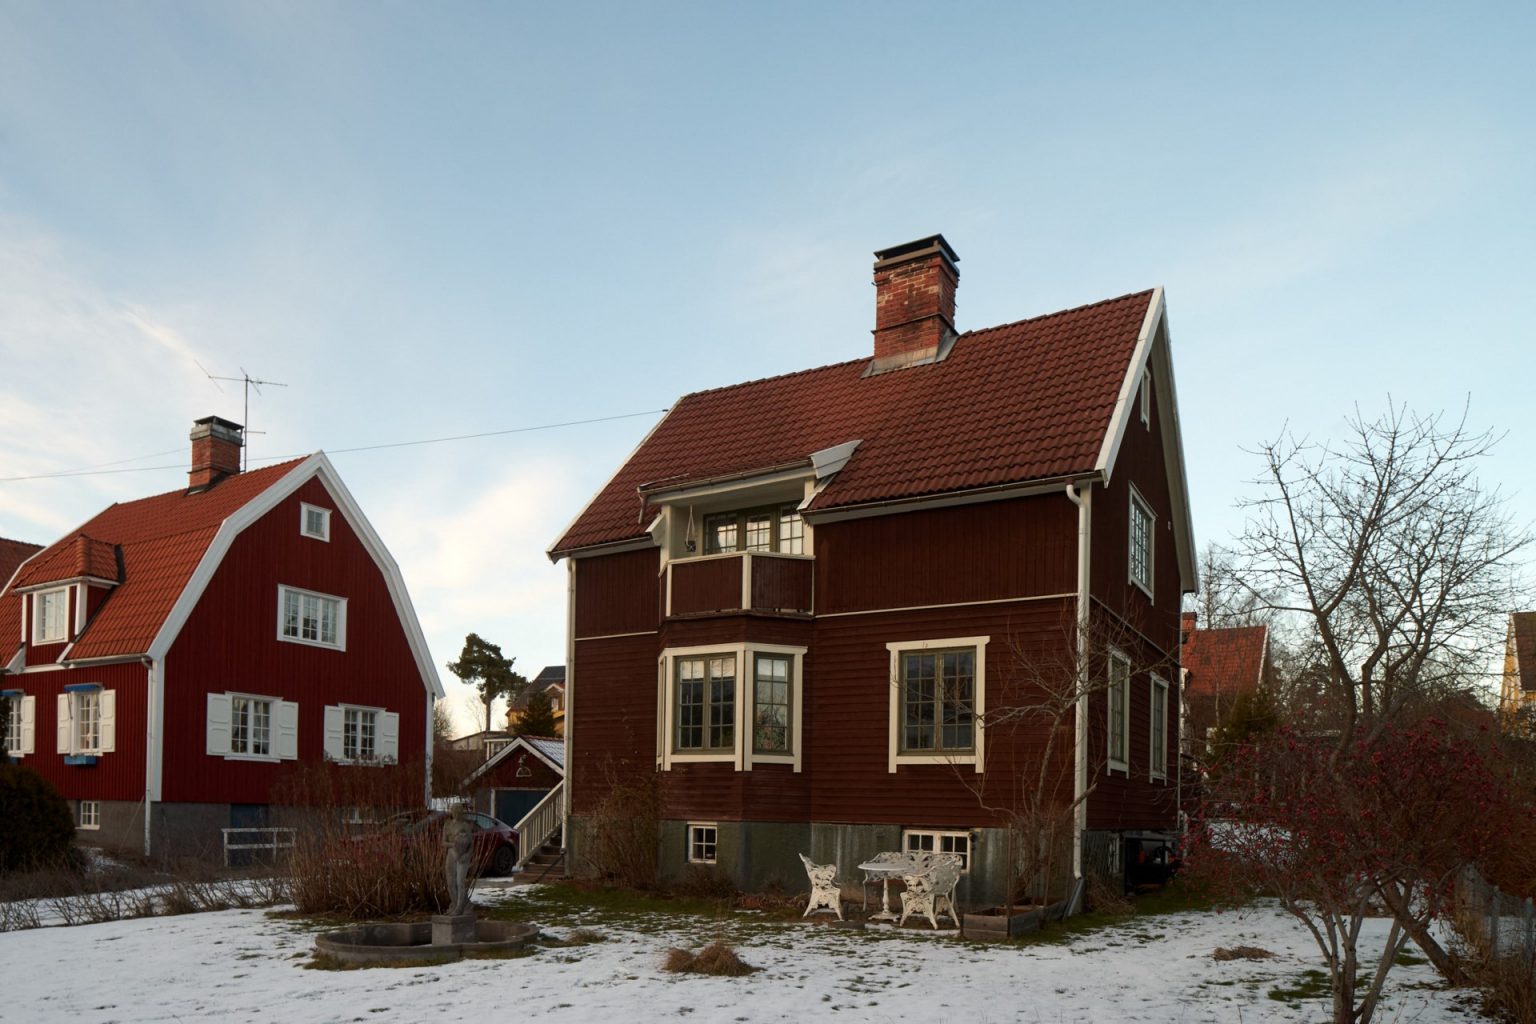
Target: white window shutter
[(108, 721), (333, 720), (218, 724), (287, 714), (389, 736), (65, 725), (28, 725)]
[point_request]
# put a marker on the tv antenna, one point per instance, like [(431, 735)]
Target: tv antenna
[(249, 382)]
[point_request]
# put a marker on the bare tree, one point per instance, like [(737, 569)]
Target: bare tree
[(1397, 564), (1395, 568), (1225, 597)]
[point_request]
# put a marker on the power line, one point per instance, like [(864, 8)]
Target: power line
[(334, 451)]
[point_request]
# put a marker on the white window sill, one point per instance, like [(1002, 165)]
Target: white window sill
[(729, 756), (955, 758), (89, 828), (263, 758), (1118, 766), (312, 643)]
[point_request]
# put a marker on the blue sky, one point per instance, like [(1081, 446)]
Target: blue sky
[(432, 220)]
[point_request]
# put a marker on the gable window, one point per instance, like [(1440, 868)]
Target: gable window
[(937, 701), (315, 521), (765, 529), (1119, 694), (355, 734), (309, 618), (1141, 543), (772, 703), (703, 843), (87, 720), (21, 724), (50, 616), (90, 814), (1159, 744), (706, 703), (243, 725), (914, 840)]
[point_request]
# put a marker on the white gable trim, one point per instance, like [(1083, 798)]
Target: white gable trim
[(316, 466), (500, 755), (1152, 353), (553, 553)]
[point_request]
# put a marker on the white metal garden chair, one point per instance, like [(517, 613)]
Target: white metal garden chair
[(930, 893), (825, 893)]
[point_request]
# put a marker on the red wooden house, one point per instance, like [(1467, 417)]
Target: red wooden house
[(1218, 666), (175, 654), (824, 608)]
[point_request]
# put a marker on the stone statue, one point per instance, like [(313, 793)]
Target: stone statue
[(458, 842)]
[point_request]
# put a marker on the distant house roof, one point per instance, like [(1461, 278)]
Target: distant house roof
[(1522, 637), (549, 749), (549, 676), (12, 554), (1222, 661), (1028, 401)]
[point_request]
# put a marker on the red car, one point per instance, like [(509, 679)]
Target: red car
[(495, 840)]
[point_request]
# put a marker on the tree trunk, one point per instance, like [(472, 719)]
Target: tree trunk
[(1442, 960)]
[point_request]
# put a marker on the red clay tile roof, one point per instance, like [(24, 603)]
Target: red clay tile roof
[(1223, 660), (12, 554), (1523, 626), (162, 539), (1025, 401), (69, 559)]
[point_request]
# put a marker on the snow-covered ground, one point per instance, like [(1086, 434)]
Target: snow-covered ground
[(245, 965)]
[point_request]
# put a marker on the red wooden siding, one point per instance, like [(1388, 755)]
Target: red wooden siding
[(985, 552), (504, 775), (781, 584), (229, 643), (709, 585), (612, 715), (619, 593), (118, 775)]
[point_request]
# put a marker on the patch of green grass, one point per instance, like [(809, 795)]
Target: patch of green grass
[(1312, 984), (1407, 959), (568, 904)]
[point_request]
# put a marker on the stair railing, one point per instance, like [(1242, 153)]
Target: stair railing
[(539, 824)]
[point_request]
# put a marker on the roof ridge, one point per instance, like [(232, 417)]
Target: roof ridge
[(773, 377), (1059, 312), (244, 474)]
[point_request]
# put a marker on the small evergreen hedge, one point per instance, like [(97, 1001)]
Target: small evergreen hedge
[(36, 826)]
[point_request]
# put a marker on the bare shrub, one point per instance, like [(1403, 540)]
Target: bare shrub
[(1107, 897), (719, 959), (620, 838), (706, 882), (383, 874)]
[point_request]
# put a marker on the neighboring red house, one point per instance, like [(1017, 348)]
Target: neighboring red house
[(550, 680), (810, 602), (174, 654), (1218, 666), (517, 777)]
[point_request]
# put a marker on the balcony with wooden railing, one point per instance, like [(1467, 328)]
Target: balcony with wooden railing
[(741, 581)]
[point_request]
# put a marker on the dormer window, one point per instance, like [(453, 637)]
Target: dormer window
[(50, 616), (315, 521), (764, 529)]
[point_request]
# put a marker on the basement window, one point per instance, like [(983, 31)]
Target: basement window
[(703, 841), (90, 814), (916, 840)]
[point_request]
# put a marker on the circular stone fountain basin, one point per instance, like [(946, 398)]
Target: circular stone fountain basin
[(412, 942)]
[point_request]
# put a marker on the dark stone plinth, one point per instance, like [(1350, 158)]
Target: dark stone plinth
[(453, 929)]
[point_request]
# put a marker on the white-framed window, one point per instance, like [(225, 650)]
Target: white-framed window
[(773, 703), (739, 703), (1159, 740), (938, 700), (1142, 521), (89, 814), (777, 528), (50, 616), (1144, 395), (1118, 694), (703, 842), (314, 521), (252, 727), (920, 840), (87, 720), (21, 724), (705, 711), (355, 734), (306, 617)]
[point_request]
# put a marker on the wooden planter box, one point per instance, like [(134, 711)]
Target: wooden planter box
[(995, 925)]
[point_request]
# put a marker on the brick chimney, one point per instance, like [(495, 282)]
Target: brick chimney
[(914, 303), (216, 445)]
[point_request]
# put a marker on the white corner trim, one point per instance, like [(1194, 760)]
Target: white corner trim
[(1126, 404), (316, 466)]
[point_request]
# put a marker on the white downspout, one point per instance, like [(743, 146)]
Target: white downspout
[(431, 721), (153, 703), (570, 692), (1084, 502)]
